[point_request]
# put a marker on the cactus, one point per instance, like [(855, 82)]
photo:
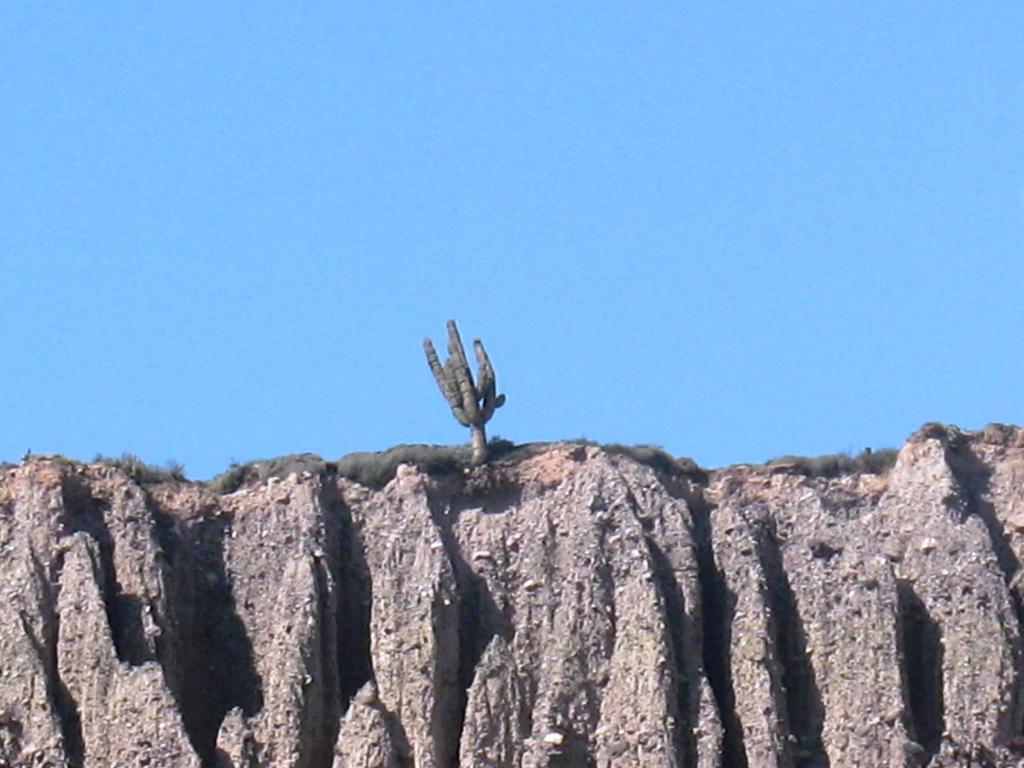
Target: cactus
[(472, 404)]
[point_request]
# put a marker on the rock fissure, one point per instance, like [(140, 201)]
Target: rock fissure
[(683, 667), (44, 644), (922, 663), (208, 653), (480, 620), (322, 714), (719, 604), (63, 703), (87, 513), (974, 478), (478, 625), (804, 712), (354, 588)]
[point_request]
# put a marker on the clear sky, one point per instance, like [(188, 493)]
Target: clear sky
[(735, 231)]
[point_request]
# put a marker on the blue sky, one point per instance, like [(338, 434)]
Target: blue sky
[(733, 231)]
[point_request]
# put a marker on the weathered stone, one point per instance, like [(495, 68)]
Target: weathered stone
[(565, 608)]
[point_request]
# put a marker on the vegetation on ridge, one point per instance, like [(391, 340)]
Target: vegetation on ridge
[(375, 469), (141, 472), (838, 464), (655, 457)]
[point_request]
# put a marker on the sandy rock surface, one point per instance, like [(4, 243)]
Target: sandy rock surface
[(568, 608)]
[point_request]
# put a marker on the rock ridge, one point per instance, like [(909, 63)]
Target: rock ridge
[(570, 607)]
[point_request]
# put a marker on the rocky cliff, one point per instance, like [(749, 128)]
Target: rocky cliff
[(564, 607)]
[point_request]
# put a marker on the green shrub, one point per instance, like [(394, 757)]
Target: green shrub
[(499, 447), (839, 464), (233, 478), (176, 469), (655, 457), (294, 463), (877, 462), (252, 472), (375, 469), (141, 472)]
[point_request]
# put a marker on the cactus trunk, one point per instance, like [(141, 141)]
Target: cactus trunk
[(478, 437)]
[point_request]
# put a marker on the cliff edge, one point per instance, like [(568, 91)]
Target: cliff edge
[(565, 607)]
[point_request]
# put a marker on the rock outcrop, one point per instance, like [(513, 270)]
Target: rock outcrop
[(564, 607)]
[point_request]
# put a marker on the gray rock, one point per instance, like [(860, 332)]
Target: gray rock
[(565, 608)]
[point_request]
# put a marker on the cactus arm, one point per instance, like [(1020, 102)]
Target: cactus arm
[(461, 375), (491, 405), (484, 372), (444, 381), (461, 416), (486, 383)]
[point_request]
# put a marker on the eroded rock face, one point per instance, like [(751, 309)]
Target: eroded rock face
[(568, 608)]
